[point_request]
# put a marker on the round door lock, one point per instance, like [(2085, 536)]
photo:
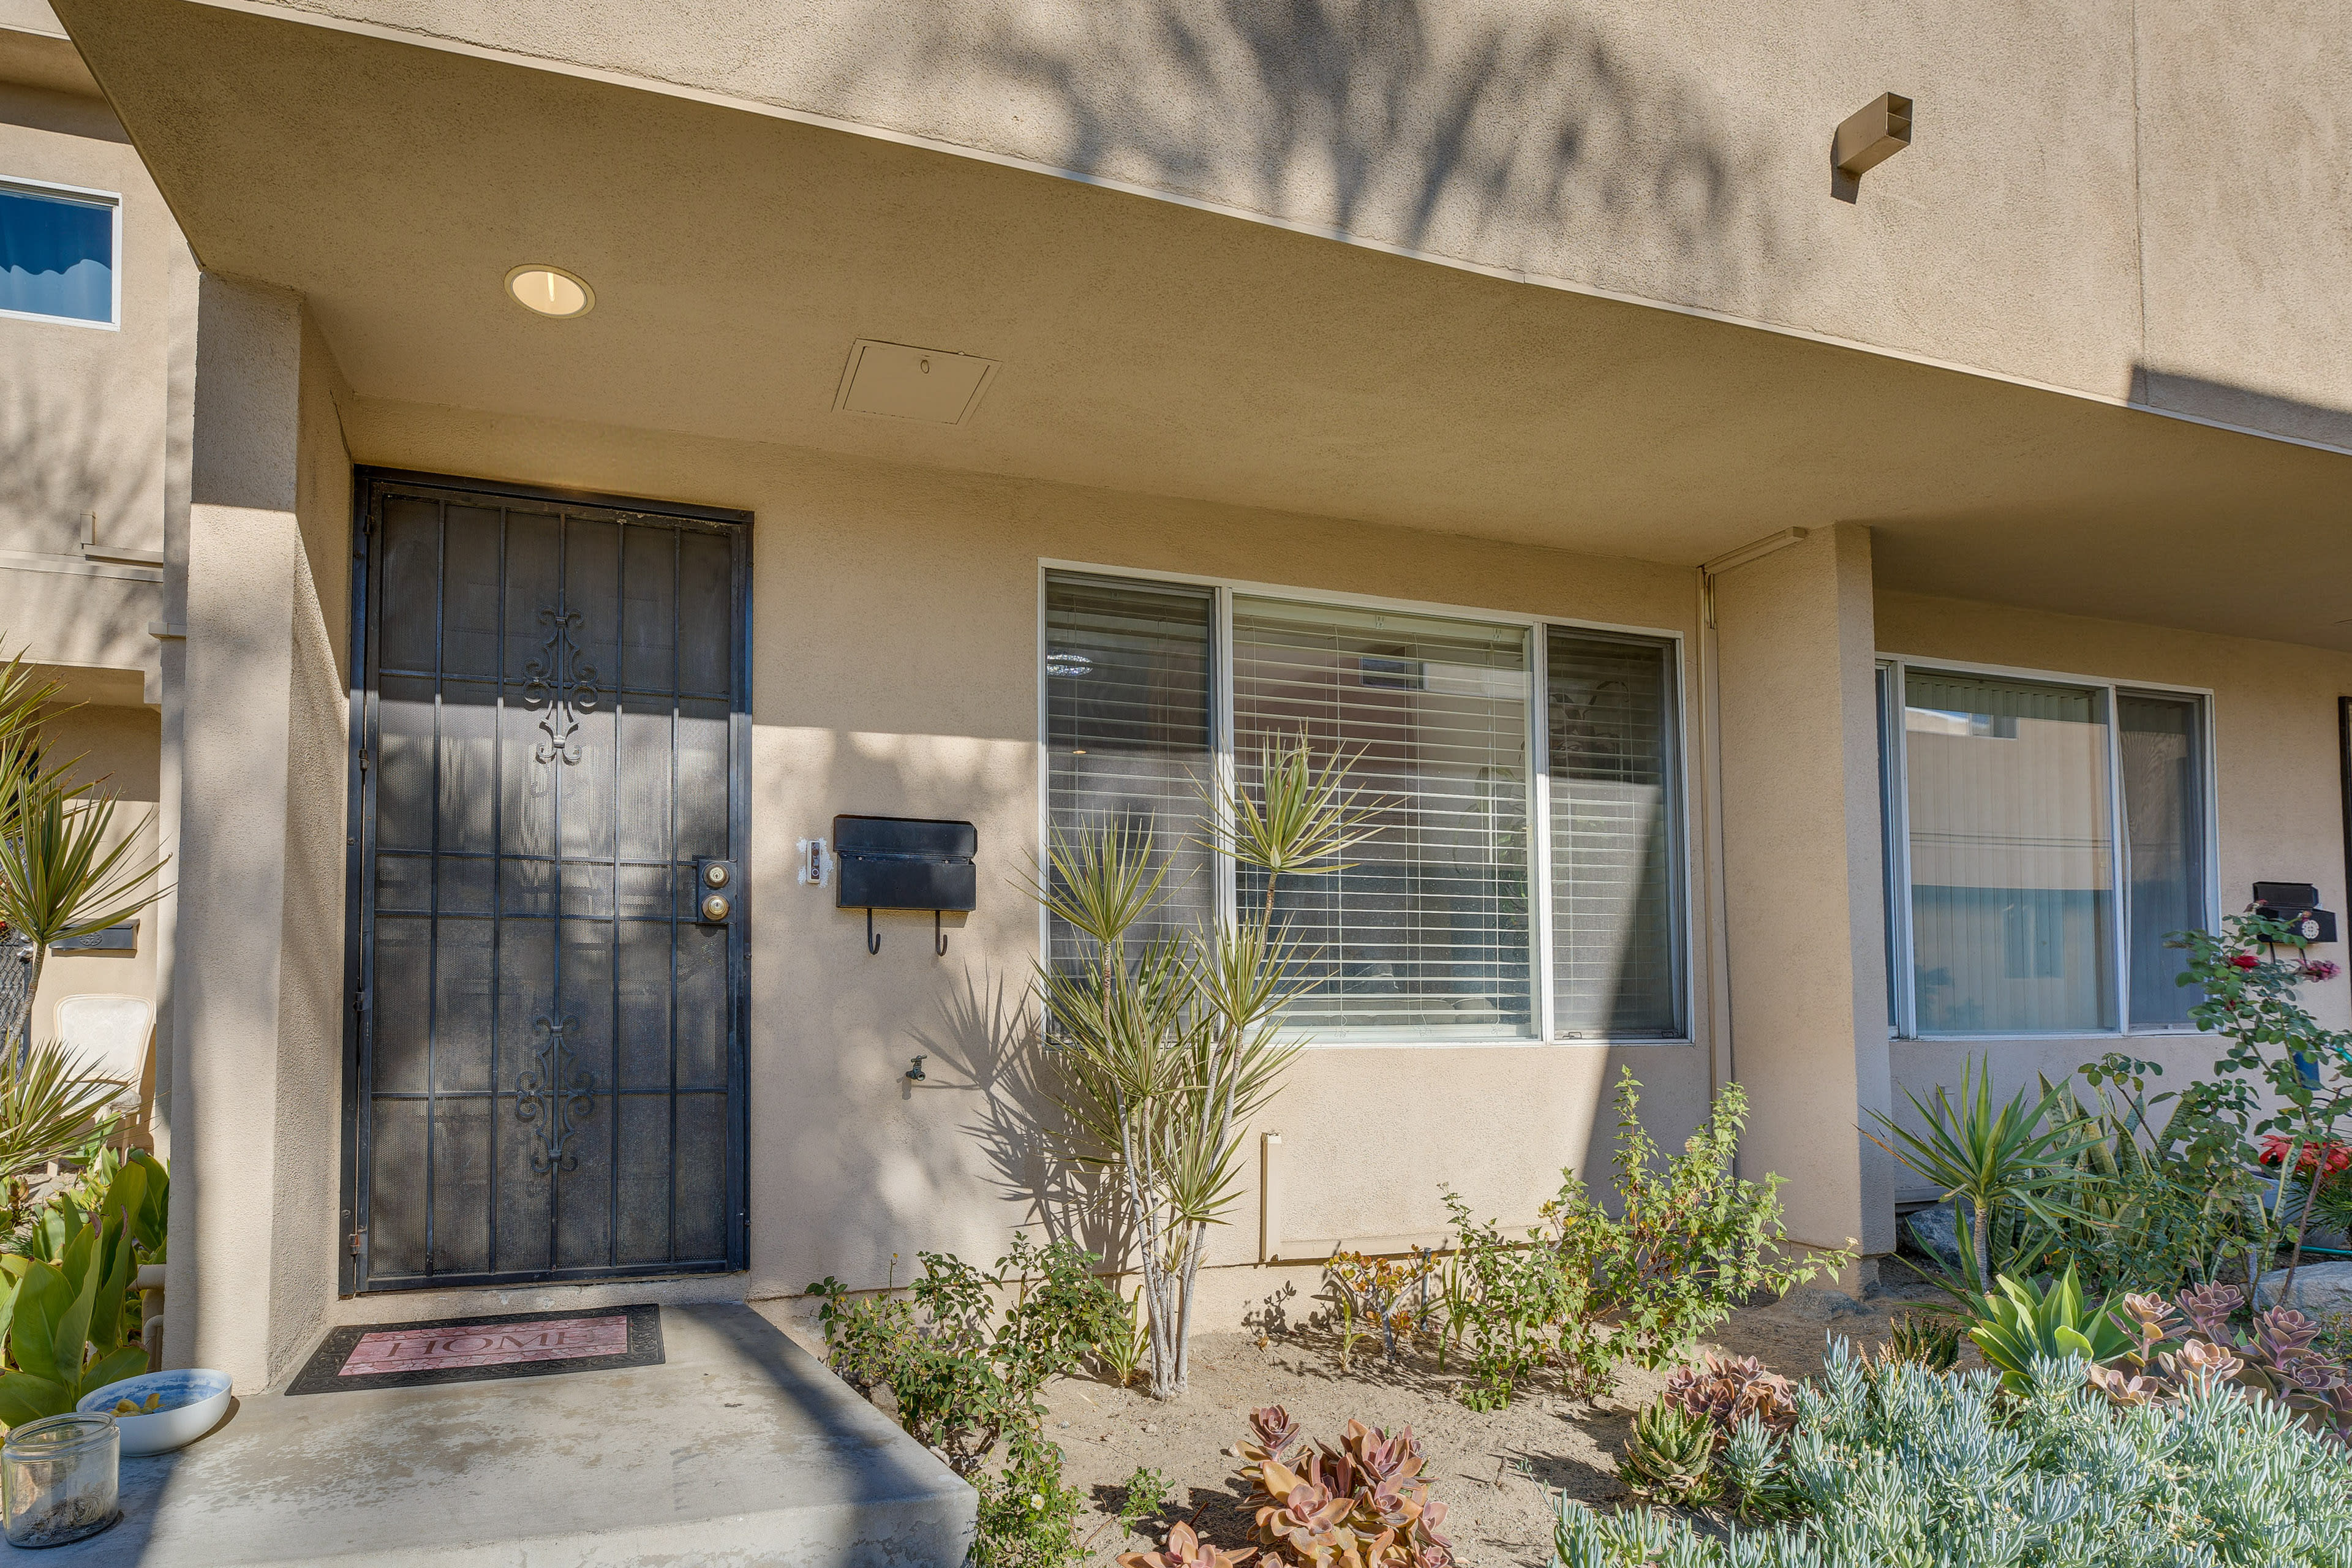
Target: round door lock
[(715, 908), (715, 873)]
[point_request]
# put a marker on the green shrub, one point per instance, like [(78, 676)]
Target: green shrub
[(1028, 1518), (961, 1380), (1144, 1494), (1898, 1466), (1686, 1243)]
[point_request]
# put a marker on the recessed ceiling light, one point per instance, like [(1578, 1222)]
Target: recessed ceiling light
[(550, 290)]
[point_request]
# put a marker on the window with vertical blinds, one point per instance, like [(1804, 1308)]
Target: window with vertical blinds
[(1616, 894), (2160, 747), (1425, 930), (2045, 843), (1128, 728), (1434, 929), (2011, 868)]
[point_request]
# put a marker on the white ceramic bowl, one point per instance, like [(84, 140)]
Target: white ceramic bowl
[(194, 1403)]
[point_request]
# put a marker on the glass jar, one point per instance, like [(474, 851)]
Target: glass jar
[(59, 1477)]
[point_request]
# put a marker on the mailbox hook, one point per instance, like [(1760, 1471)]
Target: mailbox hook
[(873, 940), (939, 934)]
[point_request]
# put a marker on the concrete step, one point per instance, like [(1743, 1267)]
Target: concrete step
[(740, 1450)]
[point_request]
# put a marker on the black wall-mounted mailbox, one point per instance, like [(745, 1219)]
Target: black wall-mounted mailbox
[(2297, 903), (903, 863)]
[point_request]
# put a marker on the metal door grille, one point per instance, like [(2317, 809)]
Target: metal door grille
[(551, 724)]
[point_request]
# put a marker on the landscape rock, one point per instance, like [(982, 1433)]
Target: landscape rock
[(2320, 1289), (1935, 1233), (1827, 1306)]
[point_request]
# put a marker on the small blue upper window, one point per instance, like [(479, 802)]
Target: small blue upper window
[(56, 255)]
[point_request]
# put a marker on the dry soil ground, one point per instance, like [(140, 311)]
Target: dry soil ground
[(1496, 1471)]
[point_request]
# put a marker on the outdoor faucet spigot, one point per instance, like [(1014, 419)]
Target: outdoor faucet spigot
[(915, 1074)]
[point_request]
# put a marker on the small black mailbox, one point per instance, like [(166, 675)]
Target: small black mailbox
[(2297, 903), (903, 863)]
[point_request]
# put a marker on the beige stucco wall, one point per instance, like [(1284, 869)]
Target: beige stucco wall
[(85, 457), (2278, 785), (2077, 191), (894, 673), (119, 748), (1802, 875), (83, 408), (259, 1010)]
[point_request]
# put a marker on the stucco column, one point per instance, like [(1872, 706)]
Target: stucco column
[(252, 1199), (1804, 895)]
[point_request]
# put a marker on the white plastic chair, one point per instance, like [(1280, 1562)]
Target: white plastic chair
[(110, 1033)]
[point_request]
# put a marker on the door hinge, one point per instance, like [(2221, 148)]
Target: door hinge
[(359, 1001), (358, 1237), (363, 758)]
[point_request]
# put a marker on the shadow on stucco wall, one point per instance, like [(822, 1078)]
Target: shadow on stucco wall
[(67, 452), (1521, 140), (987, 1036), (2226, 402)]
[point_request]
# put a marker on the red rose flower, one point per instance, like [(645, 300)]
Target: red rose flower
[(2245, 961), (2274, 1147)]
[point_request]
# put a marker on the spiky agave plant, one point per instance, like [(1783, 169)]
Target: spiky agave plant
[(1929, 1339), (1669, 1456), (1163, 1048)]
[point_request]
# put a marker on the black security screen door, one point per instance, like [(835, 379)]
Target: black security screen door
[(551, 728)]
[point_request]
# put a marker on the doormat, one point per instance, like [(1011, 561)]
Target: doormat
[(481, 1349)]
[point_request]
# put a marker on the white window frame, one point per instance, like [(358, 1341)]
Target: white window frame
[(1895, 797), (1539, 934), (113, 201)]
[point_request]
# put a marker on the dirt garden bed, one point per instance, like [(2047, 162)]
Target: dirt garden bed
[(1495, 1470)]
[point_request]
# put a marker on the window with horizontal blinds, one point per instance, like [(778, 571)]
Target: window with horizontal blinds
[(1426, 933), (1128, 731), (1616, 889)]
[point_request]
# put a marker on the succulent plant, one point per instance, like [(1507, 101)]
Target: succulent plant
[(2188, 1346), (1931, 1339), (1374, 1455), (1300, 1514), (1184, 1550), (1360, 1505), (1388, 1505), (1898, 1465), (1669, 1456), (1725, 1390), (1273, 1433)]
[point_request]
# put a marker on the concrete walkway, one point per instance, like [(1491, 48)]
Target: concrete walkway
[(740, 1450)]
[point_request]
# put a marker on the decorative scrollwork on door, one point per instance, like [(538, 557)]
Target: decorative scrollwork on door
[(544, 1099), (563, 682)]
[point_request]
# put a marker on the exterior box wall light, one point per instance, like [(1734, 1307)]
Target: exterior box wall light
[(1872, 134)]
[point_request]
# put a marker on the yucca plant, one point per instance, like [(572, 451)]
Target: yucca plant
[(2020, 1158), (2021, 1322), (64, 872), (1162, 1050)]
